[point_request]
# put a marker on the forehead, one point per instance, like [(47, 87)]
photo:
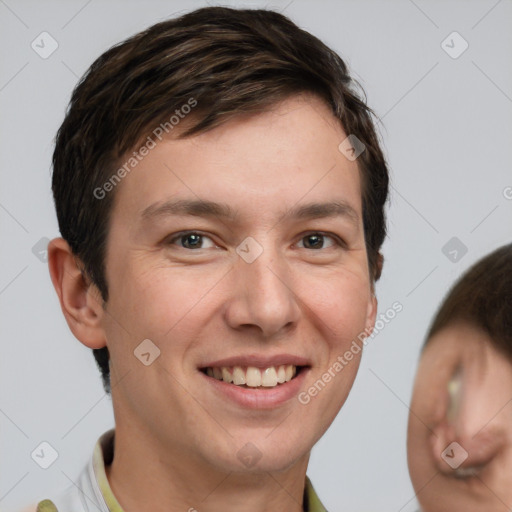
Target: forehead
[(283, 156)]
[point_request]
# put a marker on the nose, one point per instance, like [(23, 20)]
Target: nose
[(471, 418), (263, 298)]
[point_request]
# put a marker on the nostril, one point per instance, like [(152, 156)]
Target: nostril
[(483, 446), (461, 454)]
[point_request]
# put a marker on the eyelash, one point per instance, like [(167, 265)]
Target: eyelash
[(337, 240)]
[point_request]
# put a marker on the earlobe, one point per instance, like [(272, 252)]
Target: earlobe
[(79, 299)]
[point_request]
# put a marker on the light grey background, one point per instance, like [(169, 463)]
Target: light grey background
[(447, 131)]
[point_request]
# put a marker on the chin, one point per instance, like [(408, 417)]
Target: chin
[(261, 453)]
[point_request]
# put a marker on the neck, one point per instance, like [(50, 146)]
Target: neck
[(144, 476)]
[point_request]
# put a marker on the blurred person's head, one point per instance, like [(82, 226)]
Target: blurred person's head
[(460, 426)]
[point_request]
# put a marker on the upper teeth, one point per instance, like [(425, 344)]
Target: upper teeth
[(252, 376)]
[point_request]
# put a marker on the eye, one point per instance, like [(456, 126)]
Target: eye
[(191, 240), (318, 241)]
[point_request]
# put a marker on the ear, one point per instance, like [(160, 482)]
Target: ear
[(80, 300), (371, 312)]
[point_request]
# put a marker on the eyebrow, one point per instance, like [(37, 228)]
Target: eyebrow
[(203, 208), (195, 207), (322, 210)]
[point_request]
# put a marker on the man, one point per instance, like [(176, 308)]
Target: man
[(220, 192), (460, 426)]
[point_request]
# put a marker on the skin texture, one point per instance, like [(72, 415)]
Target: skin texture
[(199, 305), (480, 421)]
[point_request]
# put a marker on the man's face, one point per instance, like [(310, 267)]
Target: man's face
[(462, 395), (263, 288)]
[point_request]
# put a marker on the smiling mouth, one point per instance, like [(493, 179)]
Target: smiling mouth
[(253, 377)]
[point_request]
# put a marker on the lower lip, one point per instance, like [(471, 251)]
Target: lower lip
[(261, 398)]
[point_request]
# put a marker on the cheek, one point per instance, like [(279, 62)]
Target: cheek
[(339, 310), (341, 305), (419, 457), (430, 399), (158, 301), (158, 306)]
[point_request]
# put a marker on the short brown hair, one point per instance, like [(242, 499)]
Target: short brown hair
[(232, 62), (482, 297)]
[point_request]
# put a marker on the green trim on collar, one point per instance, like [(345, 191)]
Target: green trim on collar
[(313, 501), (104, 451), (46, 506)]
